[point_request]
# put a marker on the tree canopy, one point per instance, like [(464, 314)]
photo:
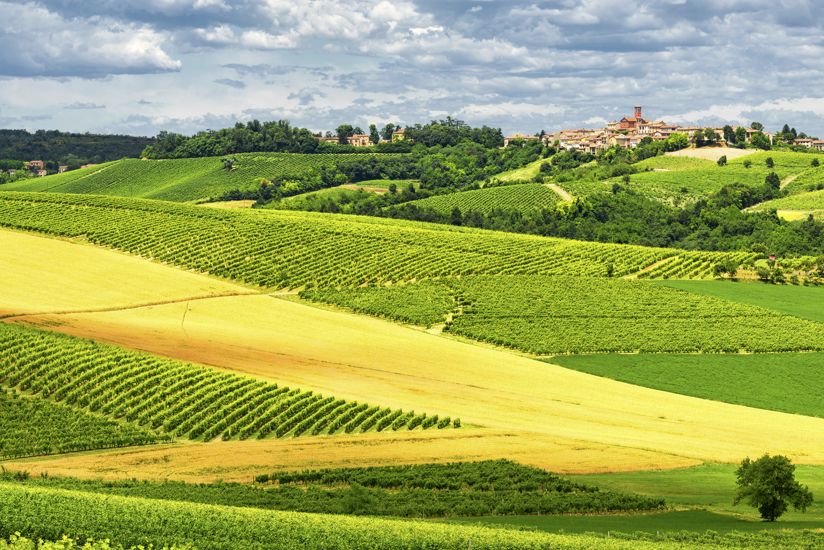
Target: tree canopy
[(769, 485)]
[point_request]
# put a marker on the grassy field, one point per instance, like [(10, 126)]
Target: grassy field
[(800, 301), (179, 180), (525, 173), (547, 315), (787, 382), (525, 197), (292, 249)]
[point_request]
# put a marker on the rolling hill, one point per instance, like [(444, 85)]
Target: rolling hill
[(179, 180), (521, 197)]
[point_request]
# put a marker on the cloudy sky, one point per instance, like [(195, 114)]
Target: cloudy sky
[(139, 66)]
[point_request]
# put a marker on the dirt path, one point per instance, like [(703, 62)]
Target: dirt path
[(789, 180), (565, 196)]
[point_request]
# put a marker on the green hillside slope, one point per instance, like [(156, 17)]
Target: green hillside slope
[(180, 180), (530, 196), (291, 249)]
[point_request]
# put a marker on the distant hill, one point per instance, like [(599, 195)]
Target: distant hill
[(74, 150), (182, 180)]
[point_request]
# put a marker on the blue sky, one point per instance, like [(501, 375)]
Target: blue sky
[(139, 66)]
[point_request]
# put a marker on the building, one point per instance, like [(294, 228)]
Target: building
[(818, 145), (62, 168), (88, 165), (327, 139), (398, 135), (804, 142), (517, 137), (35, 165), (41, 173), (359, 140)]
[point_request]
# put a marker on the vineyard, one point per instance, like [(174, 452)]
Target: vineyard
[(461, 489), (181, 180), (180, 399), (32, 426), (808, 202), (525, 197), (549, 315), (291, 249), (683, 179)]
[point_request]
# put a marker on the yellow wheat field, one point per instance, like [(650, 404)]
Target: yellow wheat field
[(512, 406)]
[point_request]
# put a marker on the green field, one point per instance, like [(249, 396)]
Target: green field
[(180, 180), (291, 249), (34, 426), (525, 173), (524, 197), (681, 179), (51, 513), (175, 398), (812, 201), (800, 301), (419, 491), (546, 315), (786, 382)]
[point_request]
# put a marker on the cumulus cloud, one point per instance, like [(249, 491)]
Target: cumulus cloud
[(37, 42)]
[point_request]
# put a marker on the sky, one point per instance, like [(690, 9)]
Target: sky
[(141, 66)]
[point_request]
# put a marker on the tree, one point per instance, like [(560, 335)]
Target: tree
[(740, 136), (773, 180), (815, 163), (711, 137), (387, 131), (722, 161), (760, 140), (456, 218), (769, 485), (729, 135), (757, 126), (769, 162), (343, 132), (374, 136), (747, 163)]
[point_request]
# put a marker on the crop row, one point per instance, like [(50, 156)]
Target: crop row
[(525, 197), (176, 398), (293, 249), (51, 513), (32, 426), (557, 314)]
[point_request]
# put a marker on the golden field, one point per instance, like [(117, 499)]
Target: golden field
[(511, 406), (57, 275)]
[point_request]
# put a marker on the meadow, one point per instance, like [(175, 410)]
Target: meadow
[(181, 180), (811, 201), (787, 382)]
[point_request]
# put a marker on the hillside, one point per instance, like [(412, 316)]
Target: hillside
[(680, 180), (181, 180), (292, 249), (522, 197), (796, 206), (69, 148)]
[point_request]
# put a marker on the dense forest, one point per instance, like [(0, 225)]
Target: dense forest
[(73, 150)]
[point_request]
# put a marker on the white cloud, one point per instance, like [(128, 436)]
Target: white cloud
[(41, 43)]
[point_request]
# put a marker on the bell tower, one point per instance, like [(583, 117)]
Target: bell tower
[(638, 111)]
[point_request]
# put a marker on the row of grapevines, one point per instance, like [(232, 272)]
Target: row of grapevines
[(51, 513), (557, 314), (184, 179), (32, 426), (293, 249), (176, 398), (532, 196)]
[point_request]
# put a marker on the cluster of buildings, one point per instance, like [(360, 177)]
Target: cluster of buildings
[(810, 143), (627, 132), (363, 140), (38, 168)]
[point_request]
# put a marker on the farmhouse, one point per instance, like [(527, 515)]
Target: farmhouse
[(398, 135), (359, 140), (519, 137), (35, 165), (62, 168)]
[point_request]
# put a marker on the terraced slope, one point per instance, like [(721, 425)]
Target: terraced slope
[(526, 197), (177, 398), (179, 180), (293, 249)]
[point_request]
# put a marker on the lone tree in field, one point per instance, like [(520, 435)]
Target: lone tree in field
[(769, 485)]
